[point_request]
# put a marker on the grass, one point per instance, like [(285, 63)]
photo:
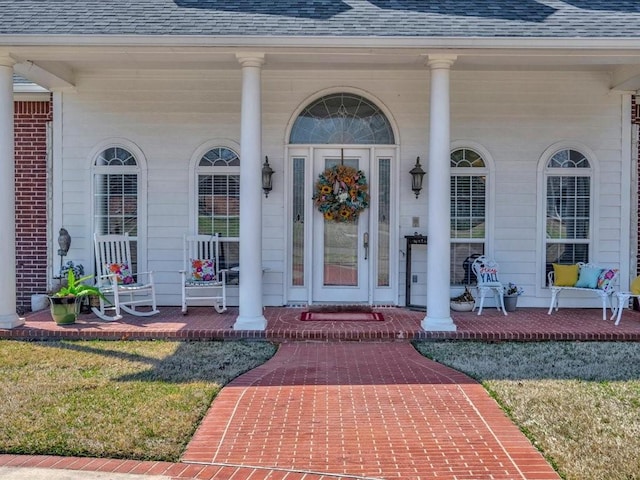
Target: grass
[(579, 403), (138, 400)]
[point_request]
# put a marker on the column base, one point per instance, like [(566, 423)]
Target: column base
[(432, 324), (11, 321), (250, 323)]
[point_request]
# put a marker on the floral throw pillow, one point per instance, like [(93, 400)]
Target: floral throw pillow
[(203, 270), (605, 278), (122, 272)]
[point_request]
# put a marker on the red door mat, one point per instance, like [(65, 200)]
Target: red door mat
[(342, 316)]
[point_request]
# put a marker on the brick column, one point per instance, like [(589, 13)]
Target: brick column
[(31, 119)]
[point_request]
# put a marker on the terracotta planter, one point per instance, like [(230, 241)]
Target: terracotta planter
[(64, 310)]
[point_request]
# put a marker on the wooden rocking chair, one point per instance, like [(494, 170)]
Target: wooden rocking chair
[(202, 277), (115, 278)]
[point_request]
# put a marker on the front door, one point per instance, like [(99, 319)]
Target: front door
[(341, 248)]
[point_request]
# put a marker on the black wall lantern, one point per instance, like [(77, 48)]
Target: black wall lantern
[(267, 171), (416, 177)]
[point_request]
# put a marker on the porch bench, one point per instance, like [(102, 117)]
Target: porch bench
[(582, 277)]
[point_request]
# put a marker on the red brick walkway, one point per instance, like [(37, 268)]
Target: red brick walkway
[(371, 410)]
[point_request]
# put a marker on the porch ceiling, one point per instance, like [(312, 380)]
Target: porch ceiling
[(57, 66)]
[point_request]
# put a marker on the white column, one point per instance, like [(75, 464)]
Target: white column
[(439, 178), (8, 316), (250, 316)]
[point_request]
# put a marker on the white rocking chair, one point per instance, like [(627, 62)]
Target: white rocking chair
[(486, 272), (202, 277), (115, 279)]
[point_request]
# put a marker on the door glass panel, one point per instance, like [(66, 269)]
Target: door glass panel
[(340, 253), (384, 212), (297, 262), (340, 243)]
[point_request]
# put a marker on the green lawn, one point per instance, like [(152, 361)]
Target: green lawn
[(139, 400)]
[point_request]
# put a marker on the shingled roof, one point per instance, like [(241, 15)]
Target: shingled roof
[(340, 18)]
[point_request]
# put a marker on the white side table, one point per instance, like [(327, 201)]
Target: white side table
[(623, 301)]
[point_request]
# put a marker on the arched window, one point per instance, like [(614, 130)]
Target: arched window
[(468, 212), (218, 175), (116, 173), (342, 118), (568, 183), (116, 207), (218, 201)]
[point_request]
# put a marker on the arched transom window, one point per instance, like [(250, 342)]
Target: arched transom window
[(342, 118)]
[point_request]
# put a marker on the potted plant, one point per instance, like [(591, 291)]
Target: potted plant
[(511, 294), (65, 303), (464, 302), (78, 271)]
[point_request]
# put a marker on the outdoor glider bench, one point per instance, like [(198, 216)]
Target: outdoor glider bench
[(582, 277)]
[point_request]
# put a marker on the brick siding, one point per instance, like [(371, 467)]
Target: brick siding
[(30, 123)]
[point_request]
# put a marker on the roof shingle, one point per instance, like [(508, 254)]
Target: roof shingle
[(367, 18)]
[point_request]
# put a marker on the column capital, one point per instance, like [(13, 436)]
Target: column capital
[(440, 61), (250, 59)]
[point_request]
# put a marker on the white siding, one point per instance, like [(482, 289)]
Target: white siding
[(514, 115)]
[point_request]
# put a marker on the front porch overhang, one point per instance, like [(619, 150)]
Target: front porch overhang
[(59, 63)]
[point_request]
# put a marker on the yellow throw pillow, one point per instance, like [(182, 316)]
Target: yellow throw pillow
[(565, 275), (635, 286)]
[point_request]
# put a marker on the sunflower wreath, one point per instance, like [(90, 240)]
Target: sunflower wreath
[(341, 193)]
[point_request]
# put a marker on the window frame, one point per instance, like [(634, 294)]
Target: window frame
[(195, 171), (485, 171), (219, 171), (138, 241), (541, 192), (572, 172)]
